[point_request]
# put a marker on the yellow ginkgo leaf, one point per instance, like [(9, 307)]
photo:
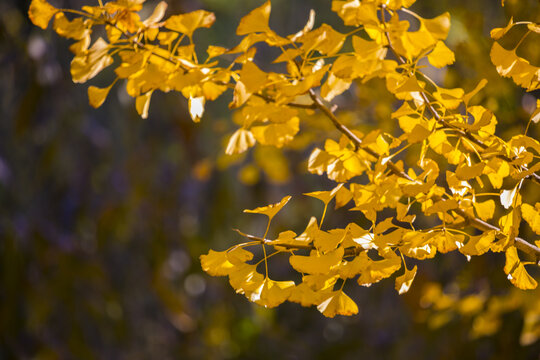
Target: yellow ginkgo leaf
[(316, 263), (333, 87), (306, 296), (255, 21), (88, 64), (238, 256), (478, 245), (498, 33), (240, 141), (447, 241), (450, 98), (404, 282), (277, 134), (245, 279), (41, 12), (441, 56), (325, 196), (272, 293), (252, 77), (485, 209), (532, 216), (74, 29), (188, 23), (214, 51), (96, 96), (351, 268), (378, 270), (338, 303), (270, 210), (516, 272), (438, 27), (216, 263), (142, 104), (328, 241)]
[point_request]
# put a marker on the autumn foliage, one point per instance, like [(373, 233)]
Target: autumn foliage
[(464, 191)]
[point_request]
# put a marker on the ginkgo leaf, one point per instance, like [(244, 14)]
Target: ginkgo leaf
[(240, 141), (478, 245), (245, 279), (328, 241), (214, 51), (96, 96), (321, 282), (90, 63), (450, 98), (256, 20), (196, 108), (351, 268), (157, 14), (333, 87), (338, 303), (216, 263), (354, 13), (188, 23), (498, 33), (252, 77), (468, 96), (142, 104), (41, 12), (441, 56), (516, 272), (325, 196), (272, 293), (509, 225), (404, 282), (276, 134), (305, 295), (507, 197), (378, 270), (419, 133), (485, 209), (239, 255), (75, 29), (508, 64), (316, 263), (532, 216), (270, 210), (447, 241)]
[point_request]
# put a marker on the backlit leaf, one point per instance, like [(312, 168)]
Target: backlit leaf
[(404, 282), (255, 21), (517, 274), (338, 303), (270, 210), (41, 12)]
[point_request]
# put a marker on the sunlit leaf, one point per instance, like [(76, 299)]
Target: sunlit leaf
[(270, 210), (404, 282), (41, 12), (517, 274), (338, 303), (255, 21)]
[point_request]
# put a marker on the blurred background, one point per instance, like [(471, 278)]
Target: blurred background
[(103, 215)]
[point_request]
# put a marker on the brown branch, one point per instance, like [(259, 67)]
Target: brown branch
[(350, 251)]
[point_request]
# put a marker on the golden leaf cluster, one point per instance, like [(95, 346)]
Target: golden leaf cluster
[(466, 181)]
